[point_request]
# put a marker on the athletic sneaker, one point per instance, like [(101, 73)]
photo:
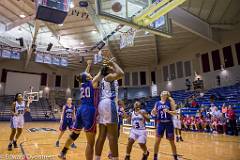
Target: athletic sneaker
[(175, 157), (145, 156), (177, 139), (15, 144), (62, 156), (73, 145), (110, 155), (10, 147), (127, 158), (181, 139), (57, 144)]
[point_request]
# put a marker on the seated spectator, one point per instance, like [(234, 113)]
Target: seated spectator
[(187, 122), (231, 119), (222, 124), (193, 124), (224, 109)]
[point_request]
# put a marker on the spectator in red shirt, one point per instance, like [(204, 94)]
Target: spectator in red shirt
[(232, 120)]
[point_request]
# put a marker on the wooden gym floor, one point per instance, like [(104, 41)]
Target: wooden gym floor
[(40, 145)]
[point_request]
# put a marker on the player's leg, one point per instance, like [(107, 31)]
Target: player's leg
[(19, 132), (159, 134), (112, 134), (142, 140), (11, 138), (73, 136), (90, 145), (170, 137), (59, 137), (129, 148), (100, 140)]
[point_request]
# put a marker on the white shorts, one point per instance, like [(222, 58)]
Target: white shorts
[(107, 112), (17, 121), (138, 134), (177, 123)]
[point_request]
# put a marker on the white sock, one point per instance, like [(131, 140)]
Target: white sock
[(97, 157)]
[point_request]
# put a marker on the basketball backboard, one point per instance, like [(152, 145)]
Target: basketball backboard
[(129, 9)]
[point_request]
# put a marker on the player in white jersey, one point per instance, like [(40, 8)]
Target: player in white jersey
[(178, 125), (17, 120), (107, 109), (138, 131)]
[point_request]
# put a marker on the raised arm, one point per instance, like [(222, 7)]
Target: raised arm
[(118, 74), (89, 64), (154, 110), (96, 79), (173, 106)]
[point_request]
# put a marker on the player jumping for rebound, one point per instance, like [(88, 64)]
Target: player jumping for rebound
[(67, 119), (108, 114), (138, 131), (86, 115), (164, 110), (17, 120)]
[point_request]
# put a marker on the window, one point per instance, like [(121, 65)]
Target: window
[(228, 58), (205, 63), (134, 78), (216, 60), (172, 71), (153, 77), (43, 79), (237, 46), (143, 78), (127, 79), (58, 81), (188, 69), (179, 69), (165, 73)]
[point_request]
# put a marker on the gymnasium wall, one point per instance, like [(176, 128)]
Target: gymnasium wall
[(192, 53), (230, 76), (66, 75)]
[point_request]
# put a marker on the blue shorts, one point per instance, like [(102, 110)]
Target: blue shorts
[(86, 119), (68, 123), (168, 127)]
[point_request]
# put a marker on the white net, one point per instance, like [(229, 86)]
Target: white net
[(127, 38)]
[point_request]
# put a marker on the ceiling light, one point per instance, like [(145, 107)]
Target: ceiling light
[(82, 43), (60, 25), (94, 32), (22, 16), (71, 5)]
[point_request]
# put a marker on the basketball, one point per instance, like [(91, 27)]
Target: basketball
[(117, 7)]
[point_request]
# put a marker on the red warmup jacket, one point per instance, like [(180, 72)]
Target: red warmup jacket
[(231, 114)]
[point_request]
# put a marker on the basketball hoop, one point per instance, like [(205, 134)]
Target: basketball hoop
[(127, 38), (30, 95)]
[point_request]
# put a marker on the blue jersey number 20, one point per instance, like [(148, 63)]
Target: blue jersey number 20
[(85, 92)]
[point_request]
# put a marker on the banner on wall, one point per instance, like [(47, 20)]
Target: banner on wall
[(154, 90)]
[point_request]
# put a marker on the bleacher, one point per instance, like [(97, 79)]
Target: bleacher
[(229, 95), (38, 110)]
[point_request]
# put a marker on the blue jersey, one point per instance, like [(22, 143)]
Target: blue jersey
[(87, 93), (161, 115), (68, 112)]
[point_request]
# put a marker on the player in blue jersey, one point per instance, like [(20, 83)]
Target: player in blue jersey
[(86, 114), (164, 110), (67, 119), (107, 109)]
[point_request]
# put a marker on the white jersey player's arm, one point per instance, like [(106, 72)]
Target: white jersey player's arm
[(118, 74), (13, 111), (96, 79)]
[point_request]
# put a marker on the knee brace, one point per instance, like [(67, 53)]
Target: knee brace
[(74, 136)]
